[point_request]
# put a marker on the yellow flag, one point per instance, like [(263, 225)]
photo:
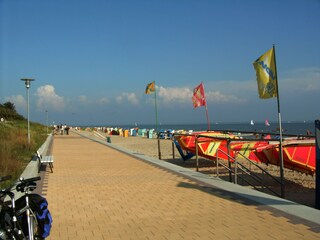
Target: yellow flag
[(150, 88), (266, 75)]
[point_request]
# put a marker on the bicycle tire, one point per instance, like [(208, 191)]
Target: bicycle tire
[(6, 224), (23, 222), (34, 225)]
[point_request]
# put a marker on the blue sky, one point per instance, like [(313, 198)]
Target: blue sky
[(92, 59)]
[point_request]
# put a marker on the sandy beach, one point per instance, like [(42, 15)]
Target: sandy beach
[(299, 187)]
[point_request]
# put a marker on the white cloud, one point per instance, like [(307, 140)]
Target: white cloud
[(234, 88), (129, 97), (218, 97), (184, 94), (18, 101), (174, 94), (47, 98), (302, 80)]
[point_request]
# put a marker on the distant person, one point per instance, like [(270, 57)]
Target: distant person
[(61, 129), (64, 128)]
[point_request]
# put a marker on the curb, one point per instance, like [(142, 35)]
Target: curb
[(33, 167)]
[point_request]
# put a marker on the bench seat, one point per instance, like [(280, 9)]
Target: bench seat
[(45, 160)]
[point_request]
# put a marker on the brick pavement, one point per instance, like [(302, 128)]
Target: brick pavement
[(97, 192)]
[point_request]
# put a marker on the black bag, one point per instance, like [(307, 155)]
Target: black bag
[(39, 206)]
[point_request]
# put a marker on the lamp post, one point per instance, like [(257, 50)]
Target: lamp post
[(47, 120), (28, 82)]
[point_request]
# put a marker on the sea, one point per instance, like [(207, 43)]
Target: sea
[(288, 128)]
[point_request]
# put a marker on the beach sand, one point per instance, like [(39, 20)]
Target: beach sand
[(299, 187)]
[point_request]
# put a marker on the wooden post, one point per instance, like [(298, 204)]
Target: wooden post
[(229, 161), (173, 153), (159, 149), (197, 158)]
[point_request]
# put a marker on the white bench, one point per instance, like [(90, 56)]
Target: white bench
[(45, 160)]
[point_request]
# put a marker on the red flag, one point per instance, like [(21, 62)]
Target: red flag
[(198, 98)]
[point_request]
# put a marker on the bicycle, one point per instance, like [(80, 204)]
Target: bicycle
[(18, 220)]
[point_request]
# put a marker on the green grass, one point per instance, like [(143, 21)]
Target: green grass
[(15, 152)]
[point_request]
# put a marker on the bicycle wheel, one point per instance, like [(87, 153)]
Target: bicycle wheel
[(22, 216), (5, 221), (34, 225), (23, 222), (7, 226)]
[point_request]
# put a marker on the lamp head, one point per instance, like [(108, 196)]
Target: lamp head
[(27, 81)]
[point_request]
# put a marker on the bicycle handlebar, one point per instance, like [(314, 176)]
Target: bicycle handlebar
[(15, 231), (21, 184), (22, 180), (27, 184)]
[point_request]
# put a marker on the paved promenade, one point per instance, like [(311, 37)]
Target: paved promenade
[(97, 192)]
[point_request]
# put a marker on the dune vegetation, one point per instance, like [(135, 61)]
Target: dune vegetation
[(15, 152)]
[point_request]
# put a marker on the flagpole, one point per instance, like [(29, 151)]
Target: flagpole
[(155, 105), (208, 122), (156, 110), (280, 128), (207, 115)]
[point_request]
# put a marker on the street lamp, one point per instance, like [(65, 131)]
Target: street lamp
[(47, 120), (28, 82)]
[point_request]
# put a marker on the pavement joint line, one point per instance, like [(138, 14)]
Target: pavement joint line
[(286, 206)]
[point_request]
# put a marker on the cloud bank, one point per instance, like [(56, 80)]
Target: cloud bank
[(296, 87), (47, 98)]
